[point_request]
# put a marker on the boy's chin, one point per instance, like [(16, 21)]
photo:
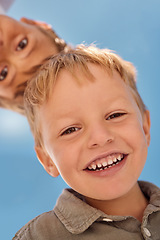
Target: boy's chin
[(111, 193)]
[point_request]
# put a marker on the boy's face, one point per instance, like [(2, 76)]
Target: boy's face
[(94, 134), (22, 46)]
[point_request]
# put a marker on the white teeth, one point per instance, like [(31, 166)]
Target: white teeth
[(104, 164), (93, 166), (119, 157), (99, 165), (107, 162), (90, 167), (110, 161)]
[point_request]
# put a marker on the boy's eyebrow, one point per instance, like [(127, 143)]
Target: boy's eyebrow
[(29, 72), (68, 114), (22, 86), (20, 90), (61, 115), (36, 67), (33, 69)]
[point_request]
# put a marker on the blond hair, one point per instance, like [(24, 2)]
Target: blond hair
[(60, 45), (40, 88)]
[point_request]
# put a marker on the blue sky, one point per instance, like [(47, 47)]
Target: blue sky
[(132, 29)]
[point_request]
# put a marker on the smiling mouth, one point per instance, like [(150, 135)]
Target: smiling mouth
[(106, 162)]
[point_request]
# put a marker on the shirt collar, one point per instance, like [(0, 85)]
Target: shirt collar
[(77, 216), (69, 206), (151, 191)]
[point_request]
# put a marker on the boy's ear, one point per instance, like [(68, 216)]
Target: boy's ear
[(46, 162), (34, 22), (147, 125)]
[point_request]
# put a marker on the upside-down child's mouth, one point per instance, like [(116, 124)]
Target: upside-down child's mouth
[(106, 162)]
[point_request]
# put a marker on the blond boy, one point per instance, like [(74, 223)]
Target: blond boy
[(91, 126)]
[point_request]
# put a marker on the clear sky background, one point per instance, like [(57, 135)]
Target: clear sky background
[(132, 29)]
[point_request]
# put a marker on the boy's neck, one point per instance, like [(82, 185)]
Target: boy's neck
[(132, 204)]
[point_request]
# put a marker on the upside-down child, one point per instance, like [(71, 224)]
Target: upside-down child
[(24, 46), (91, 126)]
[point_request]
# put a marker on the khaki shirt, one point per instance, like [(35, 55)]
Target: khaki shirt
[(72, 218)]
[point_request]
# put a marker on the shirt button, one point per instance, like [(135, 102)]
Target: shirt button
[(147, 232), (107, 220)]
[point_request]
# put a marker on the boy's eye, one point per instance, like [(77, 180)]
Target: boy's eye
[(3, 73), (70, 130), (22, 44), (115, 115)]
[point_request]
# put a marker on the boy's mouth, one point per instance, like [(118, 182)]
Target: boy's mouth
[(106, 162)]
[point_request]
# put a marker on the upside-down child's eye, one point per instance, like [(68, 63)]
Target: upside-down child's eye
[(3, 73), (22, 44), (115, 115), (70, 130)]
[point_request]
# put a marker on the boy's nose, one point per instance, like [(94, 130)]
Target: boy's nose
[(99, 136)]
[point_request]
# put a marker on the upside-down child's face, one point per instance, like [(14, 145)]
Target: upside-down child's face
[(94, 134), (22, 46)]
